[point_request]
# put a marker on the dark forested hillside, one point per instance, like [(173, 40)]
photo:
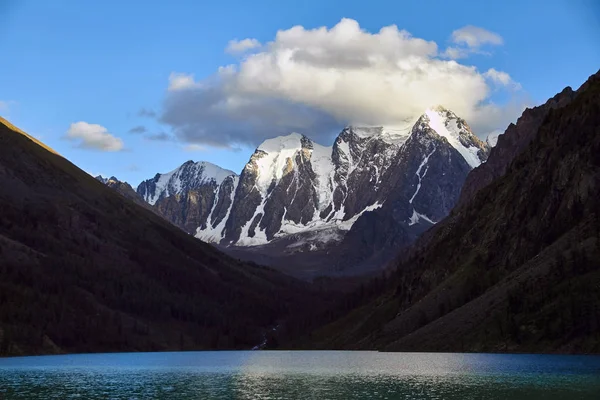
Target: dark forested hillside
[(83, 269), (517, 268)]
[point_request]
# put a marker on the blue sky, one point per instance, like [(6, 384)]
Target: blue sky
[(170, 70)]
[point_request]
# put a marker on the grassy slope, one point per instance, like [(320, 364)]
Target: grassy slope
[(84, 269), (517, 269)]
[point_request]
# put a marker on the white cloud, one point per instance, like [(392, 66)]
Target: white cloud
[(180, 81), (492, 138), (3, 106), (498, 76), (93, 136), (501, 78), (475, 37), (241, 46), (470, 39), (313, 81), (491, 117), (455, 53)]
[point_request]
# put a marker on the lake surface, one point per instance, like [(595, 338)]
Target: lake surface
[(300, 375)]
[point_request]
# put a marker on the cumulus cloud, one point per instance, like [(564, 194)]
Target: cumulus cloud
[(181, 81), (138, 129), (93, 137), (241, 46), (313, 81)]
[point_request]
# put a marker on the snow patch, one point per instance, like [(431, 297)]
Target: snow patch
[(327, 230), (418, 173), (260, 236), (214, 234), (322, 166), (416, 217)]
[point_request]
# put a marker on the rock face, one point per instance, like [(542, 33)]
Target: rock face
[(193, 196), (511, 143), (297, 196)]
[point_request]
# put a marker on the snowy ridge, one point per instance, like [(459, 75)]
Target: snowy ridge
[(189, 176), (277, 151), (444, 123), (212, 233)]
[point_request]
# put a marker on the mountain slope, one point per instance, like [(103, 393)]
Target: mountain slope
[(84, 269), (515, 269), (510, 144)]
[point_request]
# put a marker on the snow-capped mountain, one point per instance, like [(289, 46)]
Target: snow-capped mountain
[(193, 196), (293, 185), (190, 176), (422, 185), (297, 195)]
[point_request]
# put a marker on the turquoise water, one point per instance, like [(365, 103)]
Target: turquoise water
[(300, 375)]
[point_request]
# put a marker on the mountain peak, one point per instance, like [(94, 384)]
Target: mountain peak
[(190, 175), (293, 141), (106, 181), (441, 111), (447, 124), (100, 178)]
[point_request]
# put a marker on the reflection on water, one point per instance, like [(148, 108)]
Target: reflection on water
[(300, 375)]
